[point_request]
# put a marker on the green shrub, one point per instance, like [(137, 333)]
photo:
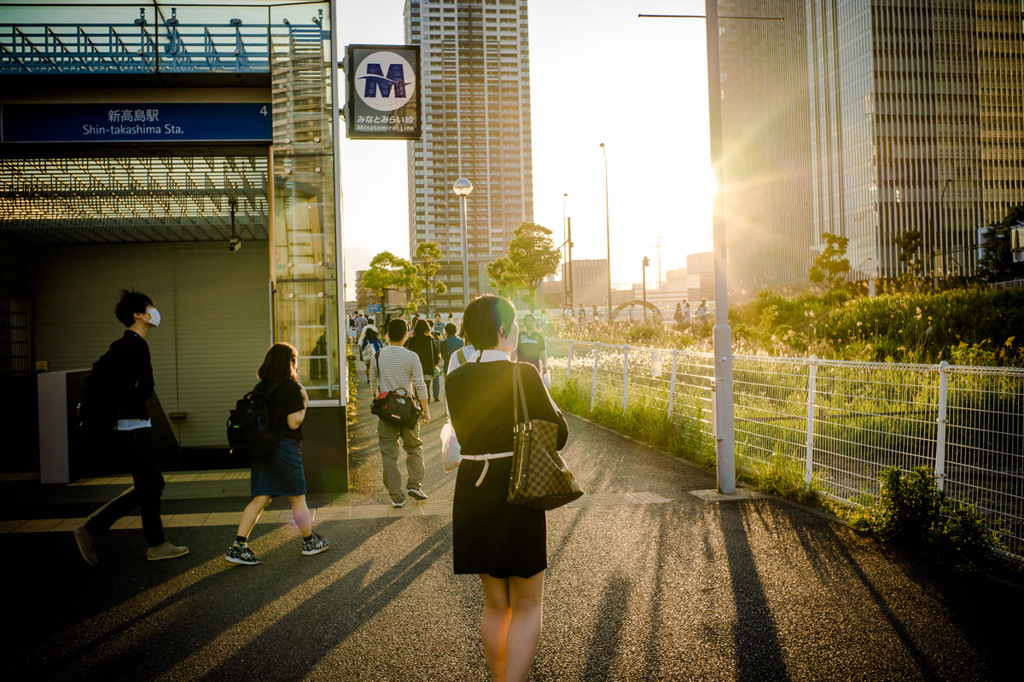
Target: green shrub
[(909, 506), (967, 539)]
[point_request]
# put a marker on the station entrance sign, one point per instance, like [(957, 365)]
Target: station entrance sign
[(137, 122)]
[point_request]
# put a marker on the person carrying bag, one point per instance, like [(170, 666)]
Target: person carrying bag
[(505, 544)]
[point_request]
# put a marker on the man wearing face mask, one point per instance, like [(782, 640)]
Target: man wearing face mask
[(133, 374)]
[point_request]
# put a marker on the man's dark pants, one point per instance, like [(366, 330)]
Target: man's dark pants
[(135, 451)]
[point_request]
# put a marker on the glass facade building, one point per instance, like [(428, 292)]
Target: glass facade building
[(915, 117), (475, 89)]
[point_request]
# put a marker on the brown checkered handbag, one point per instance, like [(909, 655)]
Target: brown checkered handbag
[(540, 479)]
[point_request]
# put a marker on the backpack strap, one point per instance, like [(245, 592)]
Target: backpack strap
[(461, 356)]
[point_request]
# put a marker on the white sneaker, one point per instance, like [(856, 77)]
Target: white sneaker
[(398, 505), (417, 494)]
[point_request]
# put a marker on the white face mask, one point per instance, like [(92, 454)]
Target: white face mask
[(154, 317)]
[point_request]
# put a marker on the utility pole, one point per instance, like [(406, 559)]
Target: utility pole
[(659, 262), (647, 261), (571, 285)]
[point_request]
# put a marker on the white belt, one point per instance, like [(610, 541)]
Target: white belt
[(487, 464)]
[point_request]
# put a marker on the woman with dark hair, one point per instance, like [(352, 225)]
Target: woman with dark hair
[(281, 472), (371, 345), (423, 344), (503, 543)]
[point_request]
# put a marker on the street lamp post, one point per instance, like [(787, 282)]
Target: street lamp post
[(725, 446), (565, 290), (462, 188), (607, 230), (647, 261)]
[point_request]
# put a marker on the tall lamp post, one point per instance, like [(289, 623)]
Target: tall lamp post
[(607, 230), (647, 261), (565, 241), (462, 188)]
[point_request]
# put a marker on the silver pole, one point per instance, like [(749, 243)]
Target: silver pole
[(725, 448), (607, 231), (465, 252)]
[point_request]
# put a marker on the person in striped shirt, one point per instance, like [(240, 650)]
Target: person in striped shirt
[(393, 368)]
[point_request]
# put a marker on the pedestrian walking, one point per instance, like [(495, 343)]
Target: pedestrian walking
[(396, 368), (530, 347), (130, 385), (504, 544), (280, 472), (678, 314), (461, 355), (423, 344), (702, 309), (371, 345)]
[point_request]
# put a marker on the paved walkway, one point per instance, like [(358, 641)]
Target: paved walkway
[(646, 582)]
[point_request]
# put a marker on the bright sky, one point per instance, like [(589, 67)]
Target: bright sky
[(598, 74)]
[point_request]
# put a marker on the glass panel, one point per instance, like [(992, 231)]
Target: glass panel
[(305, 211)]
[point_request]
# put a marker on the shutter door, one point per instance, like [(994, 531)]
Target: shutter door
[(213, 335)]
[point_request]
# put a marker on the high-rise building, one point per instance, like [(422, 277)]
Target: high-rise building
[(915, 117), (766, 144), (475, 91)]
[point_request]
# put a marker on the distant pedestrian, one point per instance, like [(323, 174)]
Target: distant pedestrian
[(130, 386), (503, 543), (423, 344), (530, 347), (372, 343), (400, 368), (678, 315), (438, 329), (686, 310), (702, 309), (582, 315), (461, 355), (450, 345), (280, 472), (594, 314)]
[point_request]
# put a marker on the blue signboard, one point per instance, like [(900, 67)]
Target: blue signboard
[(135, 122), (373, 308)]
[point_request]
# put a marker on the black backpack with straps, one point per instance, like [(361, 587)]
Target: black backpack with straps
[(250, 433)]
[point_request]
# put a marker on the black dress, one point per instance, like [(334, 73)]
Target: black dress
[(490, 535)]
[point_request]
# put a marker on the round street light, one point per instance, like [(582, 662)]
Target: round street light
[(462, 188)]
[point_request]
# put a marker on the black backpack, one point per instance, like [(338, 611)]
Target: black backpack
[(250, 433), (103, 393)]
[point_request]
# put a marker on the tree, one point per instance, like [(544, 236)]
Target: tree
[(531, 257), (909, 245), (830, 266), (428, 262), (389, 272), (996, 261)]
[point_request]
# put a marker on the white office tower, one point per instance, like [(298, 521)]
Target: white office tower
[(475, 90)]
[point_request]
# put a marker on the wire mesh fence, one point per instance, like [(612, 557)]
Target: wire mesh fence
[(839, 422)]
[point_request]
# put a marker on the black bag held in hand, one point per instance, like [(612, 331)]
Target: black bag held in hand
[(250, 434), (395, 407), (540, 479)]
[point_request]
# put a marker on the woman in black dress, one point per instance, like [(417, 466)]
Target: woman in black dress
[(422, 344), (505, 544), (281, 472)]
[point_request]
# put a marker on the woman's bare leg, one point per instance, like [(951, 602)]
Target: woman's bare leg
[(251, 514), (300, 513), (526, 599), (494, 623)]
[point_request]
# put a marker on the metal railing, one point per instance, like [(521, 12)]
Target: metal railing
[(217, 38), (838, 422)]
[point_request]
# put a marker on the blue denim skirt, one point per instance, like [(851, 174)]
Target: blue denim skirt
[(281, 473)]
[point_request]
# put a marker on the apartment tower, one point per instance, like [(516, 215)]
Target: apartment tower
[(475, 90)]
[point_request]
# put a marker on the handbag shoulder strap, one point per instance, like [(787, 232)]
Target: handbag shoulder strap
[(519, 395)]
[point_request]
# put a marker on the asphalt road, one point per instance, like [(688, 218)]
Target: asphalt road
[(637, 589)]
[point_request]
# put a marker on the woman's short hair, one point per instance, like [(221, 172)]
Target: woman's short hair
[(422, 327), (485, 317), (277, 365)]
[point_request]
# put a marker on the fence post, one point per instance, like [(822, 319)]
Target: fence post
[(625, 377), (568, 365), (812, 389), (593, 386), (672, 383), (940, 435)]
